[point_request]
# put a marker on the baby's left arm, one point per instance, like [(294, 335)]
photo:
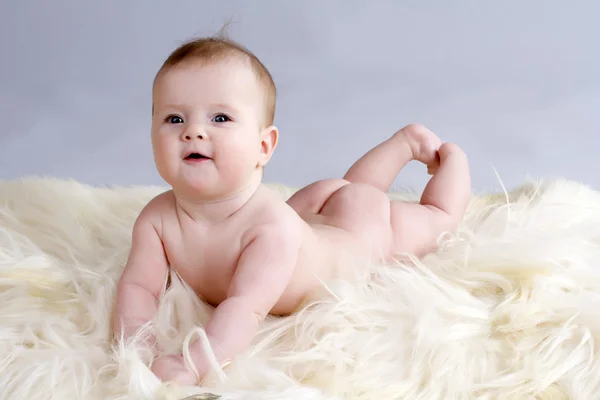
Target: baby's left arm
[(263, 272)]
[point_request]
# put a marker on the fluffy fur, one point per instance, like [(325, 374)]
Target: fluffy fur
[(506, 309)]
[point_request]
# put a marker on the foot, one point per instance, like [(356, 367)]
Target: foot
[(424, 145)]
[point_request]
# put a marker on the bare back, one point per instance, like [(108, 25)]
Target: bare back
[(206, 257)]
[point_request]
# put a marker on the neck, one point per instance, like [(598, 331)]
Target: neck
[(216, 210)]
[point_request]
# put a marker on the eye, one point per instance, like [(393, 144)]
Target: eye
[(220, 118), (174, 119)]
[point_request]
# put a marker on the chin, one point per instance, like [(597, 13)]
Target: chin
[(198, 188), (193, 186)]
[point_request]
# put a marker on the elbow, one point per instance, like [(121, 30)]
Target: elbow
[(260, 317)]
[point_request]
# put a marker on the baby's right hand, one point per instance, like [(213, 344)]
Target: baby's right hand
[(172, 368), (424, 145)]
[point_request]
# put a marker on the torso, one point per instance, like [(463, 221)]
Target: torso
[(206, 257)]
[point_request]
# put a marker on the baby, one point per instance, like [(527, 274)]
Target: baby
[(237, 244)]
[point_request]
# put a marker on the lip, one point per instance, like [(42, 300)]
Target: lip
[(204, 157), (196, 160)]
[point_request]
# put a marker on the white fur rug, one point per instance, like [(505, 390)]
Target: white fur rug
[(507, 309)]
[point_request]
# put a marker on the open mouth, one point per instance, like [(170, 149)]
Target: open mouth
[(196, 157)]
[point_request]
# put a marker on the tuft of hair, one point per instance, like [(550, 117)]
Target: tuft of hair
[(219, 47)]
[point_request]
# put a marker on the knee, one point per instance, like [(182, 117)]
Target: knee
[(450, 149)]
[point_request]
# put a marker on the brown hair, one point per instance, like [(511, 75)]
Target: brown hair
[(218, 48)]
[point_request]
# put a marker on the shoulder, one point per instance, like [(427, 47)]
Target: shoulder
[(282, 233), (153, 213), (270, 217), (276, 214), (274, 205)]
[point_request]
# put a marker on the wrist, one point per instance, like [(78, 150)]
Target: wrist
[(197, 358), (200, 356)]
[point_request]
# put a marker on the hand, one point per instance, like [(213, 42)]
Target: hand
[(172, 368), (424, 145)]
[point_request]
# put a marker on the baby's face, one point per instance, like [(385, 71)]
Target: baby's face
[(207, 131)]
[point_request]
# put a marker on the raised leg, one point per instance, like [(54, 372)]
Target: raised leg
[(380, 166), (449, 189), (443, 203), (415, 227)]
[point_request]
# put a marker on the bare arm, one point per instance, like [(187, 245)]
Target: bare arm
[(263, 272), (142, 280)]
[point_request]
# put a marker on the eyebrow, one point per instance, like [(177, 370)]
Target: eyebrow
[(218, 105), (226, 107), (177, 106)]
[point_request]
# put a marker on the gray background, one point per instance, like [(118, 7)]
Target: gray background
[(515, 83)]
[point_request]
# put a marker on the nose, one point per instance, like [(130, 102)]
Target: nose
[(193, 133), (188, 137)]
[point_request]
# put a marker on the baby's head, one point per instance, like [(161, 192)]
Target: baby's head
[(212, 118)]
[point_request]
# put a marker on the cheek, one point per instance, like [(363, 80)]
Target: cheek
[(245, 149), (163, 143), (238, 155), (164, 148)]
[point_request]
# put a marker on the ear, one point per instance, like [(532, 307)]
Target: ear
[(268, 142)]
